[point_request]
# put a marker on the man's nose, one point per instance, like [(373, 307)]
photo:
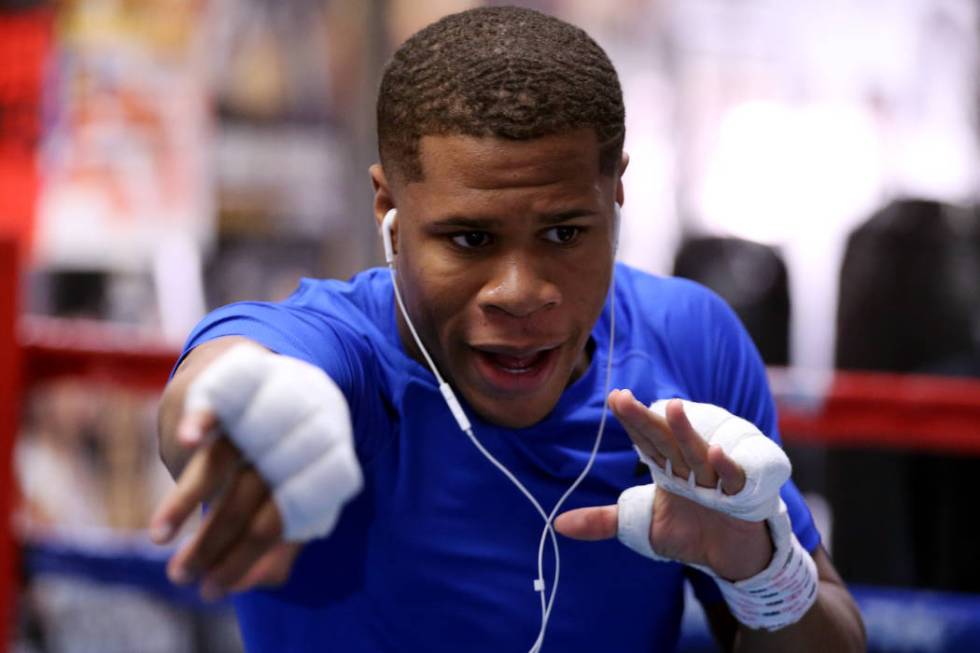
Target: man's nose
[(519, 288)]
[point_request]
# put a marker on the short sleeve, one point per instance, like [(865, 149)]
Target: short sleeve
[(286, 330), (319, 338)]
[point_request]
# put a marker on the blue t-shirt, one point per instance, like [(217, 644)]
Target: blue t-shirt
[(439, 551)]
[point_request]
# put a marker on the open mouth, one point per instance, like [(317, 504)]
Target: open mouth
[(515, 370), (517, 364)]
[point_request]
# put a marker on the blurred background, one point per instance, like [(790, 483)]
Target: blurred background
[(816, 162)]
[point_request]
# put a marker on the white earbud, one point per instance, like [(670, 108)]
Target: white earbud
[(618, 218), (387, 225)]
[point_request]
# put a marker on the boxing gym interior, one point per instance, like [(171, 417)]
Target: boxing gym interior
[(816, 164)]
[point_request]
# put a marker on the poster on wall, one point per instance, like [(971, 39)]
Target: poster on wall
[(123, 158)]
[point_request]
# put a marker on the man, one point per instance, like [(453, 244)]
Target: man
[(500, 134)]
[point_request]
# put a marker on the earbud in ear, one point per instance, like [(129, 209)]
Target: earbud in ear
[(387, 225)]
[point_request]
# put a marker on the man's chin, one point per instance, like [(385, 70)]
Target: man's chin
[(515, 410), (513, 414)]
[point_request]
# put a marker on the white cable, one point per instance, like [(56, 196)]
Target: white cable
[(415, 335), (465, 426), (588, 465)]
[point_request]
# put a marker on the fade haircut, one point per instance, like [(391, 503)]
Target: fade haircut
[(503, 72)]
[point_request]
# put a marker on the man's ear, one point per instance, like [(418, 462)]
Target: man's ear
[(384, 200), (623, 163)]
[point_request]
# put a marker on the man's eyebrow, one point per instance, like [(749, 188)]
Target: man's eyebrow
[(465, 222), (556, 218)]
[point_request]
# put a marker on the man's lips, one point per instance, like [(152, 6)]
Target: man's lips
[(513, 356), (516, 349)]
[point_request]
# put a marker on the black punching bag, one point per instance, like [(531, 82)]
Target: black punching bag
[(749, 276), (909, 302)]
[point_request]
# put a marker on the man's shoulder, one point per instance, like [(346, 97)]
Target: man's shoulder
[(318, 312), (664, 301), (366, 291)]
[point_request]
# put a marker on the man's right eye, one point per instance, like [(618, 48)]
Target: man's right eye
[(472, 239)]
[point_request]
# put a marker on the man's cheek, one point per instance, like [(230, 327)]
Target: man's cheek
[(443, 319)]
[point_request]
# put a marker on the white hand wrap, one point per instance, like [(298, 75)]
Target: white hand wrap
[(781, 593), (291, 421), (765, 464)]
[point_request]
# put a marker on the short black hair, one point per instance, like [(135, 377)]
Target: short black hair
[(505, 72)]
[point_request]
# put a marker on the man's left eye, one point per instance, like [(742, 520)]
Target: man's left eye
[(472, 239), (564, 234)]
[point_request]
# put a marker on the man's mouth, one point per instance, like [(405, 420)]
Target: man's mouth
[(509, 369), (516, 364)]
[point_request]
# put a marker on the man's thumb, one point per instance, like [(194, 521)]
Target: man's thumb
[(598, 523)]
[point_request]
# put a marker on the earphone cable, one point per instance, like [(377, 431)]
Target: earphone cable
[(463, 422)]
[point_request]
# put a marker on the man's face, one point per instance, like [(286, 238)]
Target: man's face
[(504, 257)]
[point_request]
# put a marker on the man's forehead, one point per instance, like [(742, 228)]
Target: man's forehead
[(490, 159)]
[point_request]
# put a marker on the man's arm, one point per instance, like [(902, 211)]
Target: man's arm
[(740, 385), (266, 441), (732, 549), (832, 624)]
